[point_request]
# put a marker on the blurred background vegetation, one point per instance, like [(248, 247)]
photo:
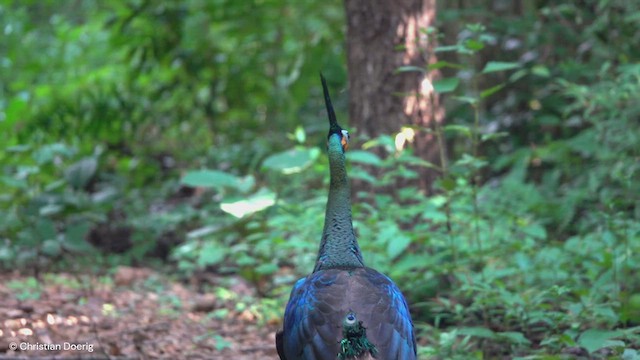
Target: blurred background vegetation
[(189, 136)]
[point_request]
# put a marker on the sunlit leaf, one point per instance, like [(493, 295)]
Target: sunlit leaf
[(246, 206), (291, 161), (300, 135)]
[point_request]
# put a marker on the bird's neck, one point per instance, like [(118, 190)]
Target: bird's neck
[(339, 247)]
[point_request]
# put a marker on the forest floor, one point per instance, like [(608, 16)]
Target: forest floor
[(132, 314)]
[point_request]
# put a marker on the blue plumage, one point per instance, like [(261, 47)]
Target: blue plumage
[(319, 303), (344, 310)]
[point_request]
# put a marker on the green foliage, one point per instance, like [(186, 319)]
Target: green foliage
[(28, 289), (532, 240), (103, 106)]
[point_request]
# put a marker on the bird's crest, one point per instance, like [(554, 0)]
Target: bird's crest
[(334, 128)]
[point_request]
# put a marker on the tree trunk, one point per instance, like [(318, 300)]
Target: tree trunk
[(382, 36)]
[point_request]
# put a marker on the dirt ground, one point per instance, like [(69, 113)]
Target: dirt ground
[(134, 314)]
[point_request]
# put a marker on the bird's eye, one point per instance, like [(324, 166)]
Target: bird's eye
[(345, 133), (345, 139)]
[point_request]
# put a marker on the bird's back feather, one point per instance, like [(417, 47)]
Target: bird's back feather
[(320, 302)]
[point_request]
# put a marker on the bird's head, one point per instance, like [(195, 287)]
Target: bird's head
[(336, 133)]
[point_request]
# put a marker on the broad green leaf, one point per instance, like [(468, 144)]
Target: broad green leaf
[(203, 231), (462, 129), (45, 229), (47, 153), (50, 209), (535, 230), (492, 136), (209, 178), (444, 64), (15, 111), (246, 183), (630, 354), (447, 48), (448, 183), (382, 140), (446, 85), (397, 245), (291, 161), (254, 203), (13, 182), (51, 247), (409, 262), (79, 174), (75, 237), (490, 91), (594, 339), (410, 69), (517, 75), (514, 337), (18, 148), (364, 157), (210, 254), (466, 99), (267, 269), (541, 70), (495, 66), (477, 332), (414, 160), (474, 45), (361, 174)]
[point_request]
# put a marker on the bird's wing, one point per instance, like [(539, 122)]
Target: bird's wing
[(387, 317), (308, 332)]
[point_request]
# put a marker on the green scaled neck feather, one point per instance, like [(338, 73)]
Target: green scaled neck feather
[(339, 247)]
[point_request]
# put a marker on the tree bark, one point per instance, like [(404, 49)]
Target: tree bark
[(383, 35)]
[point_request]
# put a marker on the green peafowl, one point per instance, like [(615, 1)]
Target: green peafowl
[(344, 310)]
